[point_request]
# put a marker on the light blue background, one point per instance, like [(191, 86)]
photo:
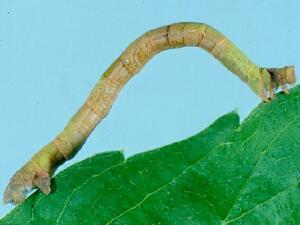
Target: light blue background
[(53, 52)]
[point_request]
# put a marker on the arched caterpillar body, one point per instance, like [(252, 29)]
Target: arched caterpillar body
[(38, 171)]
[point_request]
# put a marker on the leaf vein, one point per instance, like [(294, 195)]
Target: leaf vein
[(258, 161)]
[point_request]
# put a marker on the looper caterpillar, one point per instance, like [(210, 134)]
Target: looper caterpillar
[(37, 172)]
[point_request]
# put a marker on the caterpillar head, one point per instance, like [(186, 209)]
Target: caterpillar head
[(283, 76), (273, 78)]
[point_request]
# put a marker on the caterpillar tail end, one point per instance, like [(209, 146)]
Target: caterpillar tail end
[(25, 181), (35, 174), (273, 78)]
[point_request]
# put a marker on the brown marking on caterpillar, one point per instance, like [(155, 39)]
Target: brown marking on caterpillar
[(59, 147), (159, 38), (216, 50), (62, 146), (191, 39), (283, 76), (202, 33), (84, 129), (168, 36), (176, 36), (36, 166), (42, 181), (210, 39), (262, 81), (92, 105)]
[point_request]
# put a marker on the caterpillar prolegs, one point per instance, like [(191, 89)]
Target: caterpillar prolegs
[(263, 81)]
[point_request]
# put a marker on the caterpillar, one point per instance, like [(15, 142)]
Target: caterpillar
[(36, 173)]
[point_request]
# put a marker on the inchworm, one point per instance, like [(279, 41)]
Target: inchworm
[(37, 172)]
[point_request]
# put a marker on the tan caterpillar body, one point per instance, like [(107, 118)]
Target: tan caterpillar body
[(264, 82)]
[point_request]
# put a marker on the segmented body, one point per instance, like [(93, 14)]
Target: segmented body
[(263, 82), (132, 61)]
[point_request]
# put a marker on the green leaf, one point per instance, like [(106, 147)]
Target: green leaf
[(230, 173)]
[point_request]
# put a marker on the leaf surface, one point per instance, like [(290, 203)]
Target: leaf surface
[(230, 173)]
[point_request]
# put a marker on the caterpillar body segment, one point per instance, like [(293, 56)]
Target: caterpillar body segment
[(263, 81)]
